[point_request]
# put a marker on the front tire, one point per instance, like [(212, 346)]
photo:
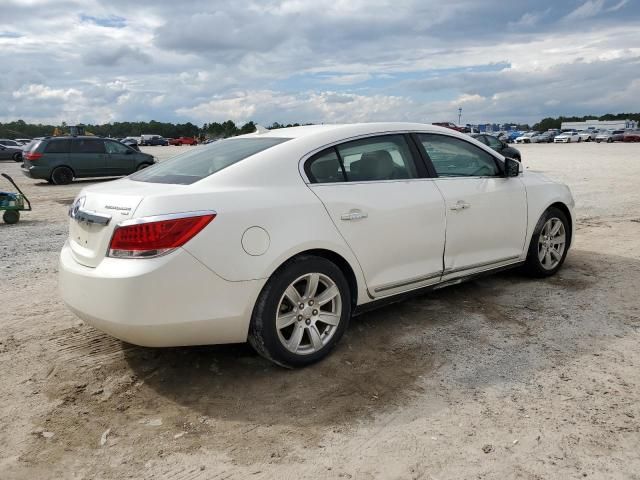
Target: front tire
[(301, 313), (549, 244), (62, 176), (142, 166)]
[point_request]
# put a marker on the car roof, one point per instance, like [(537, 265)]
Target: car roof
[(347, 130)]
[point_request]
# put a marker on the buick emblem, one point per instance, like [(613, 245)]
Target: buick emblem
[(75, 206)]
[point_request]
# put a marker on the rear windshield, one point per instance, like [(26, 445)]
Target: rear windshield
[(201, 162)]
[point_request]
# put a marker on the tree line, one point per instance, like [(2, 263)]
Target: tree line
[(22, 129)]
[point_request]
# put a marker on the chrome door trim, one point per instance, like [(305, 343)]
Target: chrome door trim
[(404, 283), (448, 271)]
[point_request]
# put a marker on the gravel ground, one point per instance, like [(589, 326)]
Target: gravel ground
[(504, 377)]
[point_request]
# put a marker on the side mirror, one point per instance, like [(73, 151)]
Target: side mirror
[(511, 167)]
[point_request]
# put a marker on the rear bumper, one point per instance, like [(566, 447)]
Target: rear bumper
[(41, 173), (162, 302)]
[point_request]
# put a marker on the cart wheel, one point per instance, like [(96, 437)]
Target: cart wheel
[(11, 216)]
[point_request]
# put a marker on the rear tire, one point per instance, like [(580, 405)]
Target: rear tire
[(11, 216), (609, 140), (291, 336), (17, 157), (62, 176), (549, 244)]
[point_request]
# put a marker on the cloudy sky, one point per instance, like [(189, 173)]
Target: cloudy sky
[(317, 61)]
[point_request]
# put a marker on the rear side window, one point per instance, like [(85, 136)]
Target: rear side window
[(87, 145), (201, 162), (57, 146), (371, 159)]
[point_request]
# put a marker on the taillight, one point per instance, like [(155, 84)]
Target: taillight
[(33, 156), (154, 236)]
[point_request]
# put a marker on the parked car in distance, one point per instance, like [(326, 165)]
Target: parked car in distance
[(610, 136), (631, 136), (450, 125), (544, 137), (526, 137), (153, 140), (131, 142), (10, 143), (567, 137), (588, 135), (23, 141), (235, 265), (59, 160), (498, 145), (183, 141), (10, 150)]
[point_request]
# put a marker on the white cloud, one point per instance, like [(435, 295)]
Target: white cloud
[(327, 60)]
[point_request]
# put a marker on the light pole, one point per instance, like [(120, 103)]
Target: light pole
[(459, 115)]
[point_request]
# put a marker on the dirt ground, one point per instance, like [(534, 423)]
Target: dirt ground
[(504, 377)]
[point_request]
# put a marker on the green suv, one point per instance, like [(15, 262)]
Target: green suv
[(59, 160)]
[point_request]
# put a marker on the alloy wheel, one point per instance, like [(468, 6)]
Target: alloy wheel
[(551, 243), (308, 313)]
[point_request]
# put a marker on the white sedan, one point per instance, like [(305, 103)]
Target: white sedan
[(280, 237), (526, 138), (567, 137)]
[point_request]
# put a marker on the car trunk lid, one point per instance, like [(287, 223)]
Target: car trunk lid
[(97, 212)]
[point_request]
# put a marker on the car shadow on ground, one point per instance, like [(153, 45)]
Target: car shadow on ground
[(497, 329)]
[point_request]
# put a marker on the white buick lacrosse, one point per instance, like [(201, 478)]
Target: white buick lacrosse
[(279, 237)]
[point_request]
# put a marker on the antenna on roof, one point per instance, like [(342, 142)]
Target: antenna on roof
[(261, 129)]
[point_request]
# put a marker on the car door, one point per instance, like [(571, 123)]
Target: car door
[(486, 213), (5, 153), (88, 157), (121, 160), (389, 214)]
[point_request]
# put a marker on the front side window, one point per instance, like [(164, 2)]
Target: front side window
[(453, 157), (371, 159), (87, 145), (493, 142), (199, 163), (115, 147)]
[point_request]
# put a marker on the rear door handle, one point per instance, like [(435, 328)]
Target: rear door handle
[(354, 215), (460, 205)]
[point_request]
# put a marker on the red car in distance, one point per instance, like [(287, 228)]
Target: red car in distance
[(183, 141), (450, 125), (633, 136)]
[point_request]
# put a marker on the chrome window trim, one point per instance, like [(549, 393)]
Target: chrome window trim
[(309, 154)]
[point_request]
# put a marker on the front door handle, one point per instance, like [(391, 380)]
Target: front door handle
[(460, 205), (354, 215)]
